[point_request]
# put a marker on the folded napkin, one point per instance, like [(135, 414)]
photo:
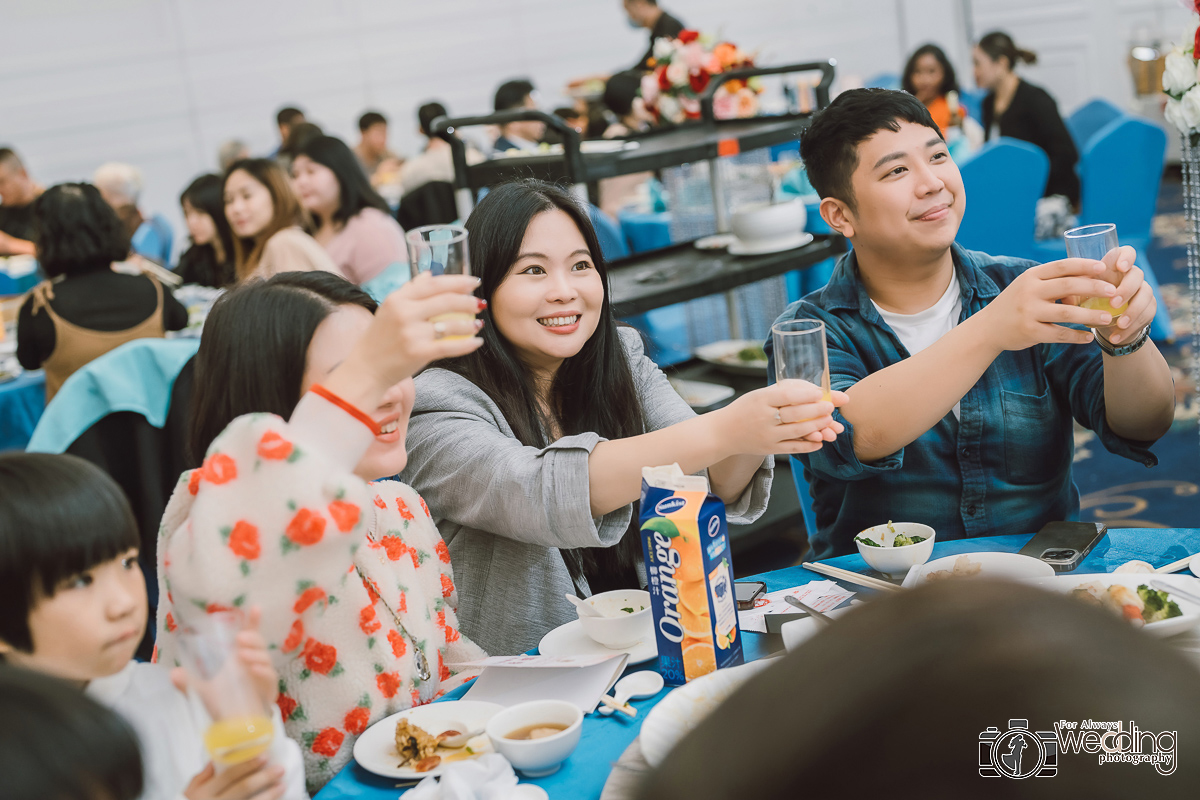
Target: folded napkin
[(489, 777)]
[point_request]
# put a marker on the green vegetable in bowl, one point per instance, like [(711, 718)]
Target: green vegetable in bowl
[(627, 610), (755, 353), (1159, 605), (900, 540), (869, 542)]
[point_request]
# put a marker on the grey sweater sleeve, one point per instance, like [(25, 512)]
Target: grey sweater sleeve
[(465, 462)]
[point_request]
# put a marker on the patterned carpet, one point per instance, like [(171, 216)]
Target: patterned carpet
[(1119, 492)]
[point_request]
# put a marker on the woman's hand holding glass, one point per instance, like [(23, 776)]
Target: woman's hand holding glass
[(404, 337), (788, 417)]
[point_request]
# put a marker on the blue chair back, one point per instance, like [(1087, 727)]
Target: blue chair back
[(1003, 182), (1088, 119), (972, 101), (612, 241), (1121, 169), (884, 80)]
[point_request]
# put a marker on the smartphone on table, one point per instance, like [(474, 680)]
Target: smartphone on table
[(1063, 545), (749, 591)]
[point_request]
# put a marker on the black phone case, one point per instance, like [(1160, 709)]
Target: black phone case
[(1078, 536)]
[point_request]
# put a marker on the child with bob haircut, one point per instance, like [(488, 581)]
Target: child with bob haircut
[(75, 608)]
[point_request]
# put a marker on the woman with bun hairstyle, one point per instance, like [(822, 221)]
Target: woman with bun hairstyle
[(1016, 108)]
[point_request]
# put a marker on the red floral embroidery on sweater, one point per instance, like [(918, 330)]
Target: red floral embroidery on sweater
[(320, 658), (345, 515), (307, 527), (274, 447), (356, 720), (312, 594), (218, 469), (367, 620), (328, 742), (243, 540), (294, 637)]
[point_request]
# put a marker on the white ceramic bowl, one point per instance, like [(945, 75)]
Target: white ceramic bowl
[(896, 561), (536, 757), (618, 628), (763, 223)]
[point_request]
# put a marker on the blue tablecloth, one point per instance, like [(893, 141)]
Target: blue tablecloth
[(22, 402), (584, 774)]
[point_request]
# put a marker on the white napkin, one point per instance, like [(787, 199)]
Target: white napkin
[(489, 777)]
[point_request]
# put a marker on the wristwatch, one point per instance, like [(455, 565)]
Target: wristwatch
[(1132, 346)]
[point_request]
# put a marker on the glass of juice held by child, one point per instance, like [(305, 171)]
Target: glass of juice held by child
[(686, 547), (440, 250), (241, 726)]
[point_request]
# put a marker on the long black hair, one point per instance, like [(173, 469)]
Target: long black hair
[(203, 263), (62, 744), (949, 80), (254, 348), (592, 392), (353, 187)]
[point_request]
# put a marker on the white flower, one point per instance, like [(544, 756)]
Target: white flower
[(669, 108), (663, 47), (677, 72), (1189, 108), (1188, 36), (1179, 75), (1174, 114)]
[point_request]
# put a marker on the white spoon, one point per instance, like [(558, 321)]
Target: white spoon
[(636, 686), (460, 739), (585, 608)]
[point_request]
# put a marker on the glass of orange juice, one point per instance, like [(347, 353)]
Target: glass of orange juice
[(1094, 242), (800, 352), (440, 250), (241, 726)]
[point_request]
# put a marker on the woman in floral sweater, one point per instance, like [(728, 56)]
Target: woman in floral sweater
[(303, 396)]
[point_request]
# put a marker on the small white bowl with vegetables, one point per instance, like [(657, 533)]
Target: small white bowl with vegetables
[(895, 547)]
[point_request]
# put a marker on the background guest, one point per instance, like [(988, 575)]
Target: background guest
[(267, 220), (523, 135), (436, 161), (621, 96), (351, 221), (85, 309), (929, 76), (60, 743), (286, 118), (380, 163), (574, 117), (950, 659), (230, 151), (121, 187), (17, 193), (1021, 110), (661, 25), (209, 261), (300, 133)]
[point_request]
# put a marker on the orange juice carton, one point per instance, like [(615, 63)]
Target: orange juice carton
[(688, 565)]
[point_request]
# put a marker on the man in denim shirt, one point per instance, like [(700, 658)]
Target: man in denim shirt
[(962, 375)]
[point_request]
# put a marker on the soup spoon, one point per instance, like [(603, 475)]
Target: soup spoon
[(636, 686), (585, 608), (460, 739)]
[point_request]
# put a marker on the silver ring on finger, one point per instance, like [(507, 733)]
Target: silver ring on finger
[(439, 330)]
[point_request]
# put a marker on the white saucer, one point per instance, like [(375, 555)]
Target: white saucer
[(570, 640), (717, 242), (739, 248)]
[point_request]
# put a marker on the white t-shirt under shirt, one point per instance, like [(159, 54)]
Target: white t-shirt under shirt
[(918, 331)]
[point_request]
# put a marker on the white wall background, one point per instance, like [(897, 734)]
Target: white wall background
[(161, 83)]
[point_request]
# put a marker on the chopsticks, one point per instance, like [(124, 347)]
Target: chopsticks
[(1175, 566), (850, 577), (621, 708)]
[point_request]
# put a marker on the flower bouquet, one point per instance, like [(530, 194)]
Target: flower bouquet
[(682, 69), (1181, 80)]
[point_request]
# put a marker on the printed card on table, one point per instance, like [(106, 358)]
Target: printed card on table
[(579, 680), (821, 595)]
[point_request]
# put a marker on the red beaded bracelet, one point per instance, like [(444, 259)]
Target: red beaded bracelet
[(365, 419)]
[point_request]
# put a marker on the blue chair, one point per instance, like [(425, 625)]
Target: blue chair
[(612, 241), (153, 239), (972, 101), (884, 80), (1088, 119), (1003, 182), (1121, 169), (392, 278)]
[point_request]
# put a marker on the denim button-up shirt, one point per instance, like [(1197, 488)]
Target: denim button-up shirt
[(1003, 467)]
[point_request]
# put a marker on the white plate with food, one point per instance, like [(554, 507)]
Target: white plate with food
[(701, 394), (740, 248), (570, 640), (377, 750), (739, 356), (684, 708), (1011, 566), (1163, 605)]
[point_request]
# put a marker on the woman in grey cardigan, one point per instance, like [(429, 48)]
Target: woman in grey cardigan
[(530, 450)]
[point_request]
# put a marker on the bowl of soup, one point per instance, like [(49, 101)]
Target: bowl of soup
[(627, 618), (538, 736)]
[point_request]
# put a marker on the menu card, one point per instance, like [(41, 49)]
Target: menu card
[(581, 680), (821, 595)]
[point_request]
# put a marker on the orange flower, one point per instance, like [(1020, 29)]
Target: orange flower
[(424, 507), (194, 481), (219, 468), (356, 720), (403, 509), (395, 547), (367, 620), (309, 596), (402, 606), (443, 670), (447, 586), (216, 608), (243, 540), (388, 683), (443, 552), (379, 502), (727, 54), (274, 447), (345, 515), (320, 658), (287, 705), (294, 637), (399, 646), (171, 626), (371, 593), (307, 527), (328, 742)]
